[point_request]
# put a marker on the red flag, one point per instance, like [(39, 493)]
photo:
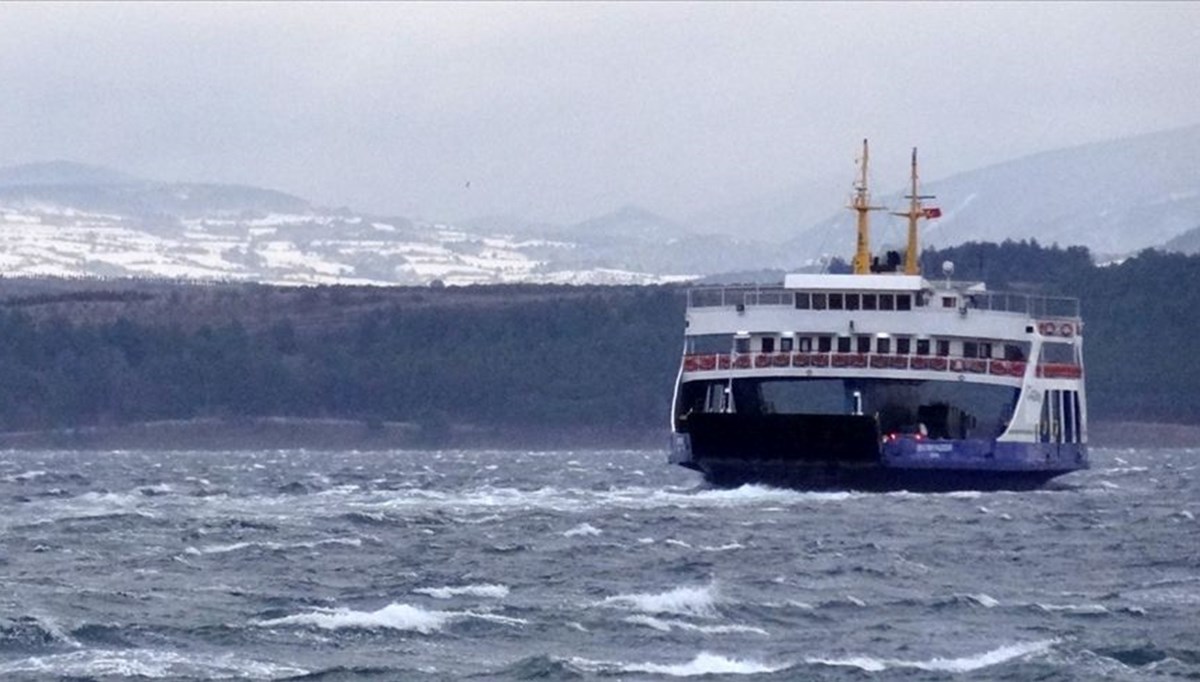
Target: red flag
[(933, 212)]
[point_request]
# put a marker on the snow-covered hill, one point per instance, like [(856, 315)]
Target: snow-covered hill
[(68, 220)]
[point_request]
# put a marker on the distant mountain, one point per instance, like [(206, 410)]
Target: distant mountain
[(637, 239), (1188, 242), (1114, 197), (628, 223), (82, 187), (61, 173), (72, 220), (62, 218), (780, 215)]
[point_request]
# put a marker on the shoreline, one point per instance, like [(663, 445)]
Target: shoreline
[(293, 433), (286, 433)]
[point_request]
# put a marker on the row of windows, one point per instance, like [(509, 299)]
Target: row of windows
[(865, 343), (847, 301)]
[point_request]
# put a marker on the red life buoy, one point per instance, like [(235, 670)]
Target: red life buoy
[(1066, 329), (1046, 328)]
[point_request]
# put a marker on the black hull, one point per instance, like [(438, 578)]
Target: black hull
[(800, 438), (845, 452)]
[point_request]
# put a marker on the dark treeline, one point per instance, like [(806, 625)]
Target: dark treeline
[(520, 357)]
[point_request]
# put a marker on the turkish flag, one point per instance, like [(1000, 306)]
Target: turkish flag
[(933, 212)]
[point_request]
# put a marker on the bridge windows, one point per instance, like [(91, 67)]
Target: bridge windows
[(902, 345), (922, 346), (843, 344), (824, 344), (883, 345), (863, 344), (845, 300)]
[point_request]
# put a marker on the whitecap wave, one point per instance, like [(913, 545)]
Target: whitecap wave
[(273, 546), (26, 476), (147, 663), (1076, 609), (490, 591), (681, 601), (984, 600), (953, 665), (722, 548), (582, 529), (633, 497), (666, 625), (392, 617), (703, 664)]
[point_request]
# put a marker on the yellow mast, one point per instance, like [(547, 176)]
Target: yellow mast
[(914, 213), (861, 203)]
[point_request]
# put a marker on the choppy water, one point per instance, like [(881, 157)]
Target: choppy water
[(582, 565)]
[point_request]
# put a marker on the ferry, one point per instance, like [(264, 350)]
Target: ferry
[(882, 379)]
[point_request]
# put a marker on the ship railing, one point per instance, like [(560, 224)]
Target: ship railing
[(729, 297), (706, 362), (1032, 305)]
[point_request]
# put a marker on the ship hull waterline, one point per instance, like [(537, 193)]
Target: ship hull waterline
[(822, 452)]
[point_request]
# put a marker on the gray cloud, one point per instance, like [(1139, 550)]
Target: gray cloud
[(560, 111)]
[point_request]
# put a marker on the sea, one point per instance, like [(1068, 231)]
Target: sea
[(583, 565)]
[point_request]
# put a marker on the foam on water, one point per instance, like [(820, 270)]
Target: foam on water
[(964, 664), (147, 663), (582, 529), (703, 664), (393, 617), (1077, 609), (665, 625), (273, 546), (26, 476), (982, 599), (634, 497), (723, 548), (490, 591), (682, 601)]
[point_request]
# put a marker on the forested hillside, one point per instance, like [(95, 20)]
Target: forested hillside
[(521, 358)]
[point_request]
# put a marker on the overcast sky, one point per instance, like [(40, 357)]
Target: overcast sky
[(564, 111)]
